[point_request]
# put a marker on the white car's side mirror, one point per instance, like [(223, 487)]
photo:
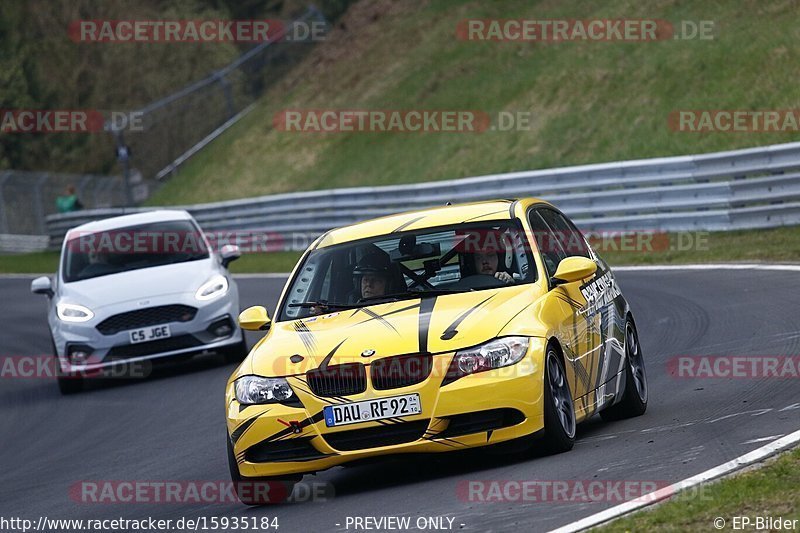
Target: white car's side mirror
[(42, 285), (229, 253)]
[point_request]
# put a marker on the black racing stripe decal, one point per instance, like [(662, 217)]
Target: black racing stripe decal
[(390, 313), (451, 330), (425, 311), (440, 442), (244, 426), (289, 431), (580, 371), (404, 226), (376, 316), (324, 365), (284, 432), (483, 215), (306, 337), (450, 443), (431, 435), (574, 303), (513, 317)]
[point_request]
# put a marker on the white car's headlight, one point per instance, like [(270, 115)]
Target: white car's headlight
[(496, 353), (73, 312), (216, 286), (256, 389)]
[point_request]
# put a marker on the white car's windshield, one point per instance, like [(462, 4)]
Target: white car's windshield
[(95, 254), (448, 259)]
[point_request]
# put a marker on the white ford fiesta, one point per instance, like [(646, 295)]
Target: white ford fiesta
[(138, 287)]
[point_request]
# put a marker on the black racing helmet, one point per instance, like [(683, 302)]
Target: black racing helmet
[(376, 262)]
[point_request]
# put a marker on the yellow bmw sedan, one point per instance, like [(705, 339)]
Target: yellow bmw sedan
[(432, 331)]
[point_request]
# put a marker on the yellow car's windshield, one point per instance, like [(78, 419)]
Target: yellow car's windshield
[(441, 260)]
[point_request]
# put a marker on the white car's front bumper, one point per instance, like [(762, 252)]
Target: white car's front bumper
[(110, 346)]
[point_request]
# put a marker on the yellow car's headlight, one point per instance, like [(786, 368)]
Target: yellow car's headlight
[(496, 353), (252, 390)]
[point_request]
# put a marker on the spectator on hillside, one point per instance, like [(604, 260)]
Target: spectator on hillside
[(68, 201)]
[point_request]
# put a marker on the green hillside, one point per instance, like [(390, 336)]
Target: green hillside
[(590, 101)]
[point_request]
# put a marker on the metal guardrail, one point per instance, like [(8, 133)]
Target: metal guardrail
[(23, 243), (752, 188)]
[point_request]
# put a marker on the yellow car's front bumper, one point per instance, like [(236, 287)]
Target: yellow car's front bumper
[(475, 410)]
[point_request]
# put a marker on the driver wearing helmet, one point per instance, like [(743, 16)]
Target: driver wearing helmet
[(373, 275)]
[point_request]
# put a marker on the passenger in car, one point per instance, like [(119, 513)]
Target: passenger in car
[(481, 254), (486, 263)]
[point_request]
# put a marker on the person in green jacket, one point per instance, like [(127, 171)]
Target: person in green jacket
[(68, 201)]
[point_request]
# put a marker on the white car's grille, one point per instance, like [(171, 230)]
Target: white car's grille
[(150, 316)]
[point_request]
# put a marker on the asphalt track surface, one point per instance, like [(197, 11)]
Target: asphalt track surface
[(170, 426)]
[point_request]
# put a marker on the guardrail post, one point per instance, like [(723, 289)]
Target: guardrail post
[(226, 91)]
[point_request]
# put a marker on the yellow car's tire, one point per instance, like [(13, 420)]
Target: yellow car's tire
[(258, 490), (634, 398), (559, 409)]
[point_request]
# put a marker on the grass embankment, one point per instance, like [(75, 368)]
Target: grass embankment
[(772, 491), (588, 101)]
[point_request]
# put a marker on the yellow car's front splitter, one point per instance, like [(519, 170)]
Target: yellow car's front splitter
[(476, 410)]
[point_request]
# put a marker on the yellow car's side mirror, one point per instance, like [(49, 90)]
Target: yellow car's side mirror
[(572, 269), (254, 319)]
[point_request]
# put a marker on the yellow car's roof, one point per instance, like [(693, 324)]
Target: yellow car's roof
[(426, 218)]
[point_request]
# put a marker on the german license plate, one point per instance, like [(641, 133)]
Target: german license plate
[(152, 333), (369, 410)]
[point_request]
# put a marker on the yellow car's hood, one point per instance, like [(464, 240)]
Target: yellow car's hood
[(433, 324)]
